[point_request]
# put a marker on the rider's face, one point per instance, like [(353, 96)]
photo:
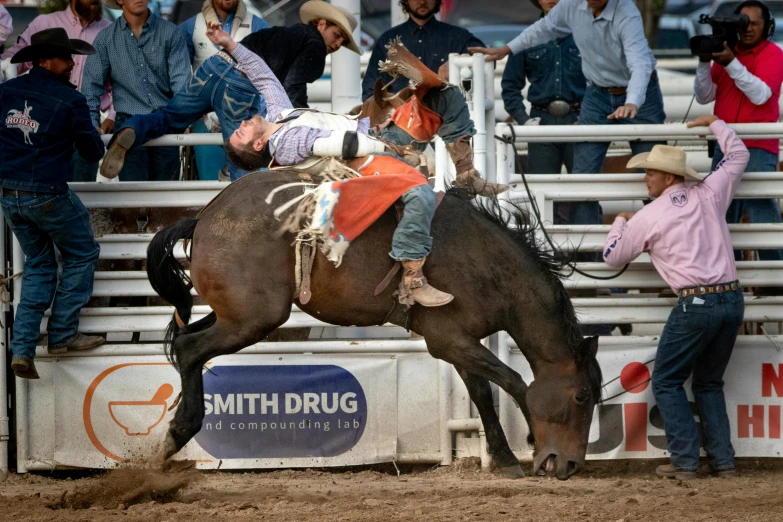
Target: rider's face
[(249, 132)]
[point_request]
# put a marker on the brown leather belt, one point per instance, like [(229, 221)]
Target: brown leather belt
[(11, 193), (708, 289), (619, 91)]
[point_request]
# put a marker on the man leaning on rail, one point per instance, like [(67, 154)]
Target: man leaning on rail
[(45, 116), (744, 83), (622, 85), (685, 233)]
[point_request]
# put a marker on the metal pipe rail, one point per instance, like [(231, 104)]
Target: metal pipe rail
[(665, 132)]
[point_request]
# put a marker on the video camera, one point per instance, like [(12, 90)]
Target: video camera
[(724, 29)]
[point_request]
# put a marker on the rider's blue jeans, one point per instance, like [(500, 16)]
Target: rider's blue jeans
[(758, 210), (697, 340), (412, 238), (216, 86), (41, 223)]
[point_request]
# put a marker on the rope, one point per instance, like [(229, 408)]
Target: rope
[(537, 214), (5, 295)]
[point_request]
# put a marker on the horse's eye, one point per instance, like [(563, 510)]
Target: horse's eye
[(582, 397)]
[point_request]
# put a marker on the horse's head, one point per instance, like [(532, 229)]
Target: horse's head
[(380, 106), (561, 401)]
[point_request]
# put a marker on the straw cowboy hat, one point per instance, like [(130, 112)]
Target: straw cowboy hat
[(667, 159), (318, 9), (51, 42)]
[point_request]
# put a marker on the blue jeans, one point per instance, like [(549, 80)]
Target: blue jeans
[(549, 158), (148, 163), (589, 157), (81, 169), (215, 86), (41, 223), (697, 340), (453, 111), (412, 238), (758, 210)]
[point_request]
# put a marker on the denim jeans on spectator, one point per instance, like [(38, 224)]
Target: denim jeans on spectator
[(215, 86), (149, 163), (758, 210), (589, 157), (412, 238), (697, 340), (81, 169), (41, 223), (549, 158)]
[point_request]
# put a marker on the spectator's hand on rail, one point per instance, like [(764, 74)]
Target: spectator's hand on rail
[(626, 215), (724, 57), (493, 53), (703, 121), (107, 127), (218, 36), (628, 110)]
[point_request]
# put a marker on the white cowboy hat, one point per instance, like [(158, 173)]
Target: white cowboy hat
[(318, 9), (667, 159)]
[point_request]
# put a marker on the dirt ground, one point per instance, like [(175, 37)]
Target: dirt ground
[(617, 491)]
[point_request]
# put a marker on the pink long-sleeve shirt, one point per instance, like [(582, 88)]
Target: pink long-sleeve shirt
[(67, 20), (684, 230), (6, 25)]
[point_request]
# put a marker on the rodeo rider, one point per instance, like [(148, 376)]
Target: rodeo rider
[(685, 233), (45, 116)]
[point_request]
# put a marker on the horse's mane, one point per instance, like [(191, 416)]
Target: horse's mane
[(517, 223)]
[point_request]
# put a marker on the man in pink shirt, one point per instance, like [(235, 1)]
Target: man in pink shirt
[(685, 233), (744, 82), (82, 20), (6, 25)]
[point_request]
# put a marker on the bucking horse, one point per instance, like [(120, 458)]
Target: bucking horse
[(244, 268)]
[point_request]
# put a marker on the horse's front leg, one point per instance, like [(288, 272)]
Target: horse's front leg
[(504, 462)]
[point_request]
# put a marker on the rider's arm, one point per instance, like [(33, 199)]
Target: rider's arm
[(264, 80)]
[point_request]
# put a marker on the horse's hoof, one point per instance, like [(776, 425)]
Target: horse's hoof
[(513, 471)]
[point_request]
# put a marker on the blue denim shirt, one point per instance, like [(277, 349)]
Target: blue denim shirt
[(43, 118), (144, 73), (431, 43), (554, 71)]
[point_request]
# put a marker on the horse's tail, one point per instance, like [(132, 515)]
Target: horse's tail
[(168, 277)]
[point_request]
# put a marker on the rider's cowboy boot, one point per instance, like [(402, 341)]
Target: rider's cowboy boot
[(80, 342), (115, 155), (414, 286), (24, 368), (467, 176)]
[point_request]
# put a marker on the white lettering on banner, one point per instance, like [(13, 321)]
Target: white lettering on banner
[(268, 403)]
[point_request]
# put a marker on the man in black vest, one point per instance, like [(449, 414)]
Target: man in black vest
[(45, 116)]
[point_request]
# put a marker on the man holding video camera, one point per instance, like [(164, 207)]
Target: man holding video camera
[(745, 83)]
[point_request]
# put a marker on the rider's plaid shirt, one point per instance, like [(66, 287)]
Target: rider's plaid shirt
[(297, 144)]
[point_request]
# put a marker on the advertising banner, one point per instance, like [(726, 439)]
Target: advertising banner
[(259, 410), (629, 424)]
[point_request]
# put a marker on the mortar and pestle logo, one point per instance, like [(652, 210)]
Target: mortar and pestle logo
[(138, 418)]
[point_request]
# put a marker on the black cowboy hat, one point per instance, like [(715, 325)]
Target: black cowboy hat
[(51, 42)]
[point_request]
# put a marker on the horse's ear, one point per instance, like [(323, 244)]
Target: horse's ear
[(590, 343), (378, 92)]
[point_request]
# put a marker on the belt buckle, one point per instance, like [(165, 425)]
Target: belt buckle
[(558, 108)]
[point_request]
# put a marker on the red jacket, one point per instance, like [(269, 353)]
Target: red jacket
[(764, 61)]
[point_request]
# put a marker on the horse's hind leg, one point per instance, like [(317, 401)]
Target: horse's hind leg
[(194, 351), (504, 462)]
